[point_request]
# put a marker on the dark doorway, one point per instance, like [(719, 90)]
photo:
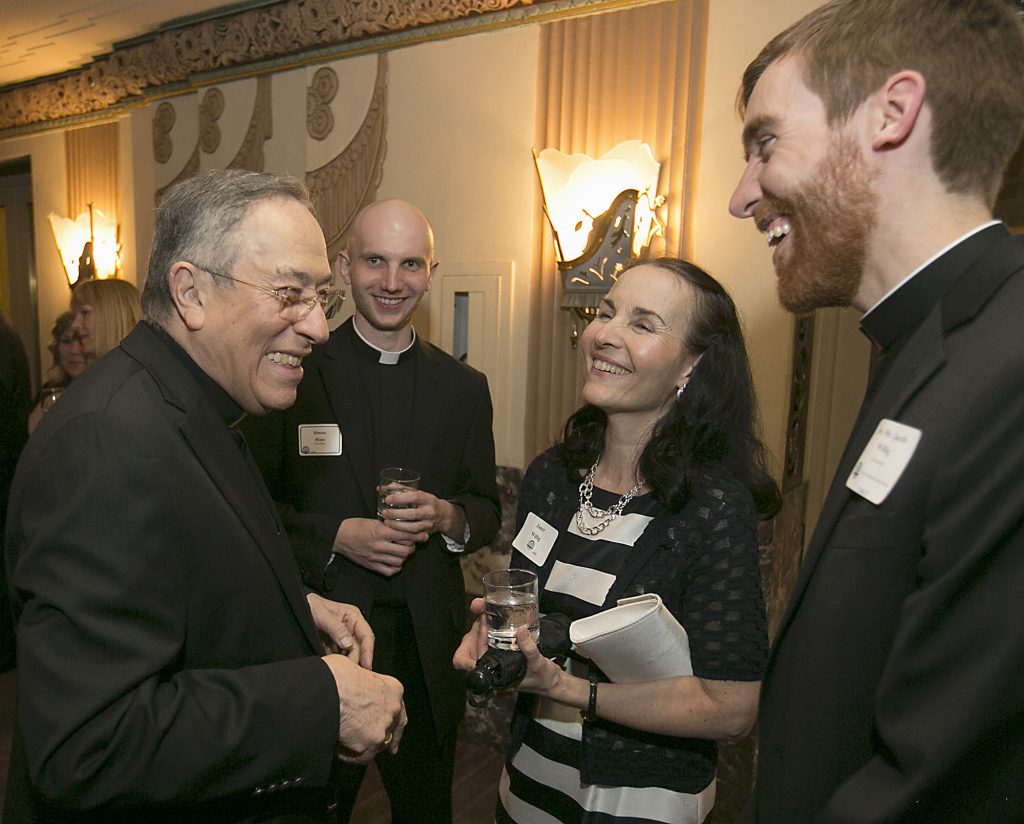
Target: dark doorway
[(17, 257)]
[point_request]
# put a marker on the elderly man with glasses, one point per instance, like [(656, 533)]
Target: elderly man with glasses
[(171, 666)]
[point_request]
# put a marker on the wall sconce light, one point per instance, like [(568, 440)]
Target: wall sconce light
[(89, 245), (601, 214)]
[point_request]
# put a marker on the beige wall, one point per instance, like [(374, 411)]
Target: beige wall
[(730, 249), (460, 127)]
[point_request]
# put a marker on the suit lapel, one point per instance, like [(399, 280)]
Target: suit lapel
[(219, 456), (418, 453), (922, 356), (915, 364), (346, 398)]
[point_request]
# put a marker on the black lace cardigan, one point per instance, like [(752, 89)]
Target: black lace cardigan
[(703, 562)]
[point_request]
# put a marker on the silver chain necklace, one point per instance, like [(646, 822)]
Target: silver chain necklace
[(602, 516)]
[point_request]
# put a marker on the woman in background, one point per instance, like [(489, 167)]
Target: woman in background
[(656, 486), (105, 311), (68, 363), (102, 313)]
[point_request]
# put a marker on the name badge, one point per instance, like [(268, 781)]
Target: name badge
[(319, 439), (535, 539), (883, 460)]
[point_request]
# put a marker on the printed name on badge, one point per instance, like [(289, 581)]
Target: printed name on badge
[(535, 539), (883, 460), (319, 439)]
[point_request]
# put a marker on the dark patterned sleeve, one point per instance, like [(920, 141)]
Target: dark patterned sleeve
[(537, 493), (723, 605)]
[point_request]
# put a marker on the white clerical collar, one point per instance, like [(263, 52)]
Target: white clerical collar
[(386, 357), (928, 262)]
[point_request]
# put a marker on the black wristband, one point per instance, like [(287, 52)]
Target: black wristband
[(591, 713)]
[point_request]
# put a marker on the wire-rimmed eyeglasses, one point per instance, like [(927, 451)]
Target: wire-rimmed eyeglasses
[(295, 303)]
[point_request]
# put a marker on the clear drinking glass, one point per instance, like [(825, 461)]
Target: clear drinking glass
[(395, 479), (510, 602)]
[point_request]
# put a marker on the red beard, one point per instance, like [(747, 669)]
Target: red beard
[(831, 218)]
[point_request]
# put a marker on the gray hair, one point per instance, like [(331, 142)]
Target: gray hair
[(197, 221)]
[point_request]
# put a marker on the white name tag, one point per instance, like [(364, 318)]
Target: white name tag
[(319, 439), (883, 460), (590, 585), (535, 539)]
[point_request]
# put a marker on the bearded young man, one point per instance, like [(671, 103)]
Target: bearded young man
[(877, 133)]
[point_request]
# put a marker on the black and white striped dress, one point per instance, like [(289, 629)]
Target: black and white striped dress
[(541, 783)]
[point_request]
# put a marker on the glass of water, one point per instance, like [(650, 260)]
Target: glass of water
[(510, 602), (395, 479)]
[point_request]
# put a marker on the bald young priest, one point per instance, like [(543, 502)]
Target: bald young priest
[(392, 399)]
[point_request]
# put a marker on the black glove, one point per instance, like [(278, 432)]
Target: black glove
[(501, 668)]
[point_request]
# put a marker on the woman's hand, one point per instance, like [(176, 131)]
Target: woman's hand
[(474, 642), (543, 676), (686, 706)]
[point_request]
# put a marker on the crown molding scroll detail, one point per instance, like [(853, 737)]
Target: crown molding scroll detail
[(163, 122), (343, 186), (261, 128), (190, 168), (323, 89), (250, 153), (210, 109)]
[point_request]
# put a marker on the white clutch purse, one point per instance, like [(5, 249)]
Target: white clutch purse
[(638, 640)]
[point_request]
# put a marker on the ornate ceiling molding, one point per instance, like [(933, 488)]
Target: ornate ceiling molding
[(289, 32), (348, 182)]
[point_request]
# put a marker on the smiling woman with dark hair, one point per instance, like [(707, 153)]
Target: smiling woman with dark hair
[(656, 486)]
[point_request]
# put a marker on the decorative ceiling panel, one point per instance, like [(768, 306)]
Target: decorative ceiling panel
[(48, 37), (261, 36)]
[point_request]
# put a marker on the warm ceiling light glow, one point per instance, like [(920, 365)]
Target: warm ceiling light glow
[(578, 189), (72, 235)]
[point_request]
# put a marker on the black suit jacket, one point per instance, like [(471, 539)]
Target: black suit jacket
[(168, 663), (893, 691), (15, 403), (451, 446)]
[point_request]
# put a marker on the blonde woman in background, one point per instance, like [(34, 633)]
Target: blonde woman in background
[(105, 311)]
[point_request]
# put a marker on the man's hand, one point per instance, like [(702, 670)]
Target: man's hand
[(474, 642), (342, 629), (372, 714), (416, 512), (376, 545)]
